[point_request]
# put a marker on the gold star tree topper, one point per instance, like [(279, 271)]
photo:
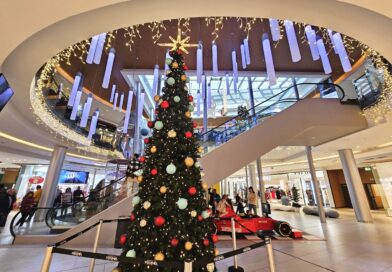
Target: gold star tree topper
[(179, 43)]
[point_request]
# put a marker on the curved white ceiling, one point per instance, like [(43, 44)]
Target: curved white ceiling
[(33, 31)]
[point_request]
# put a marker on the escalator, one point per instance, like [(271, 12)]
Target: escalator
[(285, 119)]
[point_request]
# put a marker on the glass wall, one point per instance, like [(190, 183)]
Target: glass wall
[(383, 176)]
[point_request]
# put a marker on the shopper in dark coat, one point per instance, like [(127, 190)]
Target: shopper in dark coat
[(4, 205), (26, 207)]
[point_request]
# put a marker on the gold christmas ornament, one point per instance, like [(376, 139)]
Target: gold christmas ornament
[(159, 256), (163, 190), (153, 149), (172, 133), (156, 98), (193, 213), (188, 114), (188, 246), (117, 269), (175, 65), (200, 149), (140, 178), (210, 267), (204, 185), (189, 161), (183, 77), (202, 174)]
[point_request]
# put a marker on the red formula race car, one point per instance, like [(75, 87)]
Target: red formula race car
[(257, 225)]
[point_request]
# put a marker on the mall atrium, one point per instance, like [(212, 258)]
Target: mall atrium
[(200, 135)]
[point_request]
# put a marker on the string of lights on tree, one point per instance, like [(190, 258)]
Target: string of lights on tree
[(318, 39)]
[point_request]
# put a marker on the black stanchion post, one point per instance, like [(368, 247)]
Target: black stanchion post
[(234, 268)]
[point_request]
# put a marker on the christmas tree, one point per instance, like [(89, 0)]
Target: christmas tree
[(170, 220)]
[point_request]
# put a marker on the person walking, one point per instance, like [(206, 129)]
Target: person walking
[(26, 208), (66, 201), (37, 197), (4, 205), (12, 199), (214, 199), (252, 201)]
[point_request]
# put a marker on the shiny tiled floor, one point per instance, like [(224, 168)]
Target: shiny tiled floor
[(349, 246)]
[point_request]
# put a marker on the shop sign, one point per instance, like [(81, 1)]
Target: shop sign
[(36, 180)]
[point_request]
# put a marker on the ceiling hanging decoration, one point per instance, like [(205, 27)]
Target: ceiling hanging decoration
[(76, 104), (243, 57), (324, 56), (99, 48), (112, 93), (311, 38), (155, 80), (209, 98), (128, 112), (269, 62), (199, 62), (78, 81), (108, 69), (86, 111), (293, 42), (275, 29), (227, 83), (203, 86), (214, 59), (120, 106), (330, 35), (342, 53), (247, 51), (92, 49), (93, 124), (235, 69), (198, 103), (115, 100)]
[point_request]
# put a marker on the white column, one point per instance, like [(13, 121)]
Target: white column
[(355, 186), (52, 178), (253, 178), (316, 185), (261, 182)]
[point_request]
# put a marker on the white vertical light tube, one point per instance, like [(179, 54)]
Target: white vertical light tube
[(324, 56), (293, 42), (60, 91), (224, 94), (235, 66), (203, 86), (86, 110), (75, 87), (140, 105), (108, 69), (269, 62), (311, 37), (120, 107), (243, 56), (198, 99), (155, 80), (199, 62), (209, 98), (128, 111), (99, 49), (76, 105), (227, 83), (344, 60), (92, 49), (247, 51), (112, 94), (275, 29), (93, 124), (330, 34), (214, 59), (115, 101)]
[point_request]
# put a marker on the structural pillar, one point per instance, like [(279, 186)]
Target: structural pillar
[(205, 111), (355, 186), (316, 185), (253, 178), (52, 178), (261, 182)]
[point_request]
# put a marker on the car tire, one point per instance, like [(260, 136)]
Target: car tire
[(282, 228)]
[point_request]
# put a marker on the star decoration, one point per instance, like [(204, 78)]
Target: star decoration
[(179, 43)]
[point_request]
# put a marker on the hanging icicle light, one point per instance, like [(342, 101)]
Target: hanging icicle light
[(247, 51), (198, 102), (75, 108), (227, 83), (92, 49), (235, 69), (203, 86), (120, 107), (324, 56), (293, 42), (167, 57), (199, 62), (269, 62), (78, 81), (243, 56), (209, 98), (115, 101), (108, 69), (311, 37), (112, 94), (330, 34), (86, 110), (128, 112), (214, 59), (155, 80), (344, 60), (99, 49), (93, 124), (275, 29)]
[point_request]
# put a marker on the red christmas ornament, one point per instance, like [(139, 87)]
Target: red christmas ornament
[(194, 124), (142, 159), (123, 239), (190, 98), (214, 238), (154, 172), (200, 218), (159, 221), (188, 134), (179, 52), (132, 217), (174, 242), (206, 242), (146, 140), (150, 124), (192, 191), (165, 104), (185, 67), (156, 111)]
